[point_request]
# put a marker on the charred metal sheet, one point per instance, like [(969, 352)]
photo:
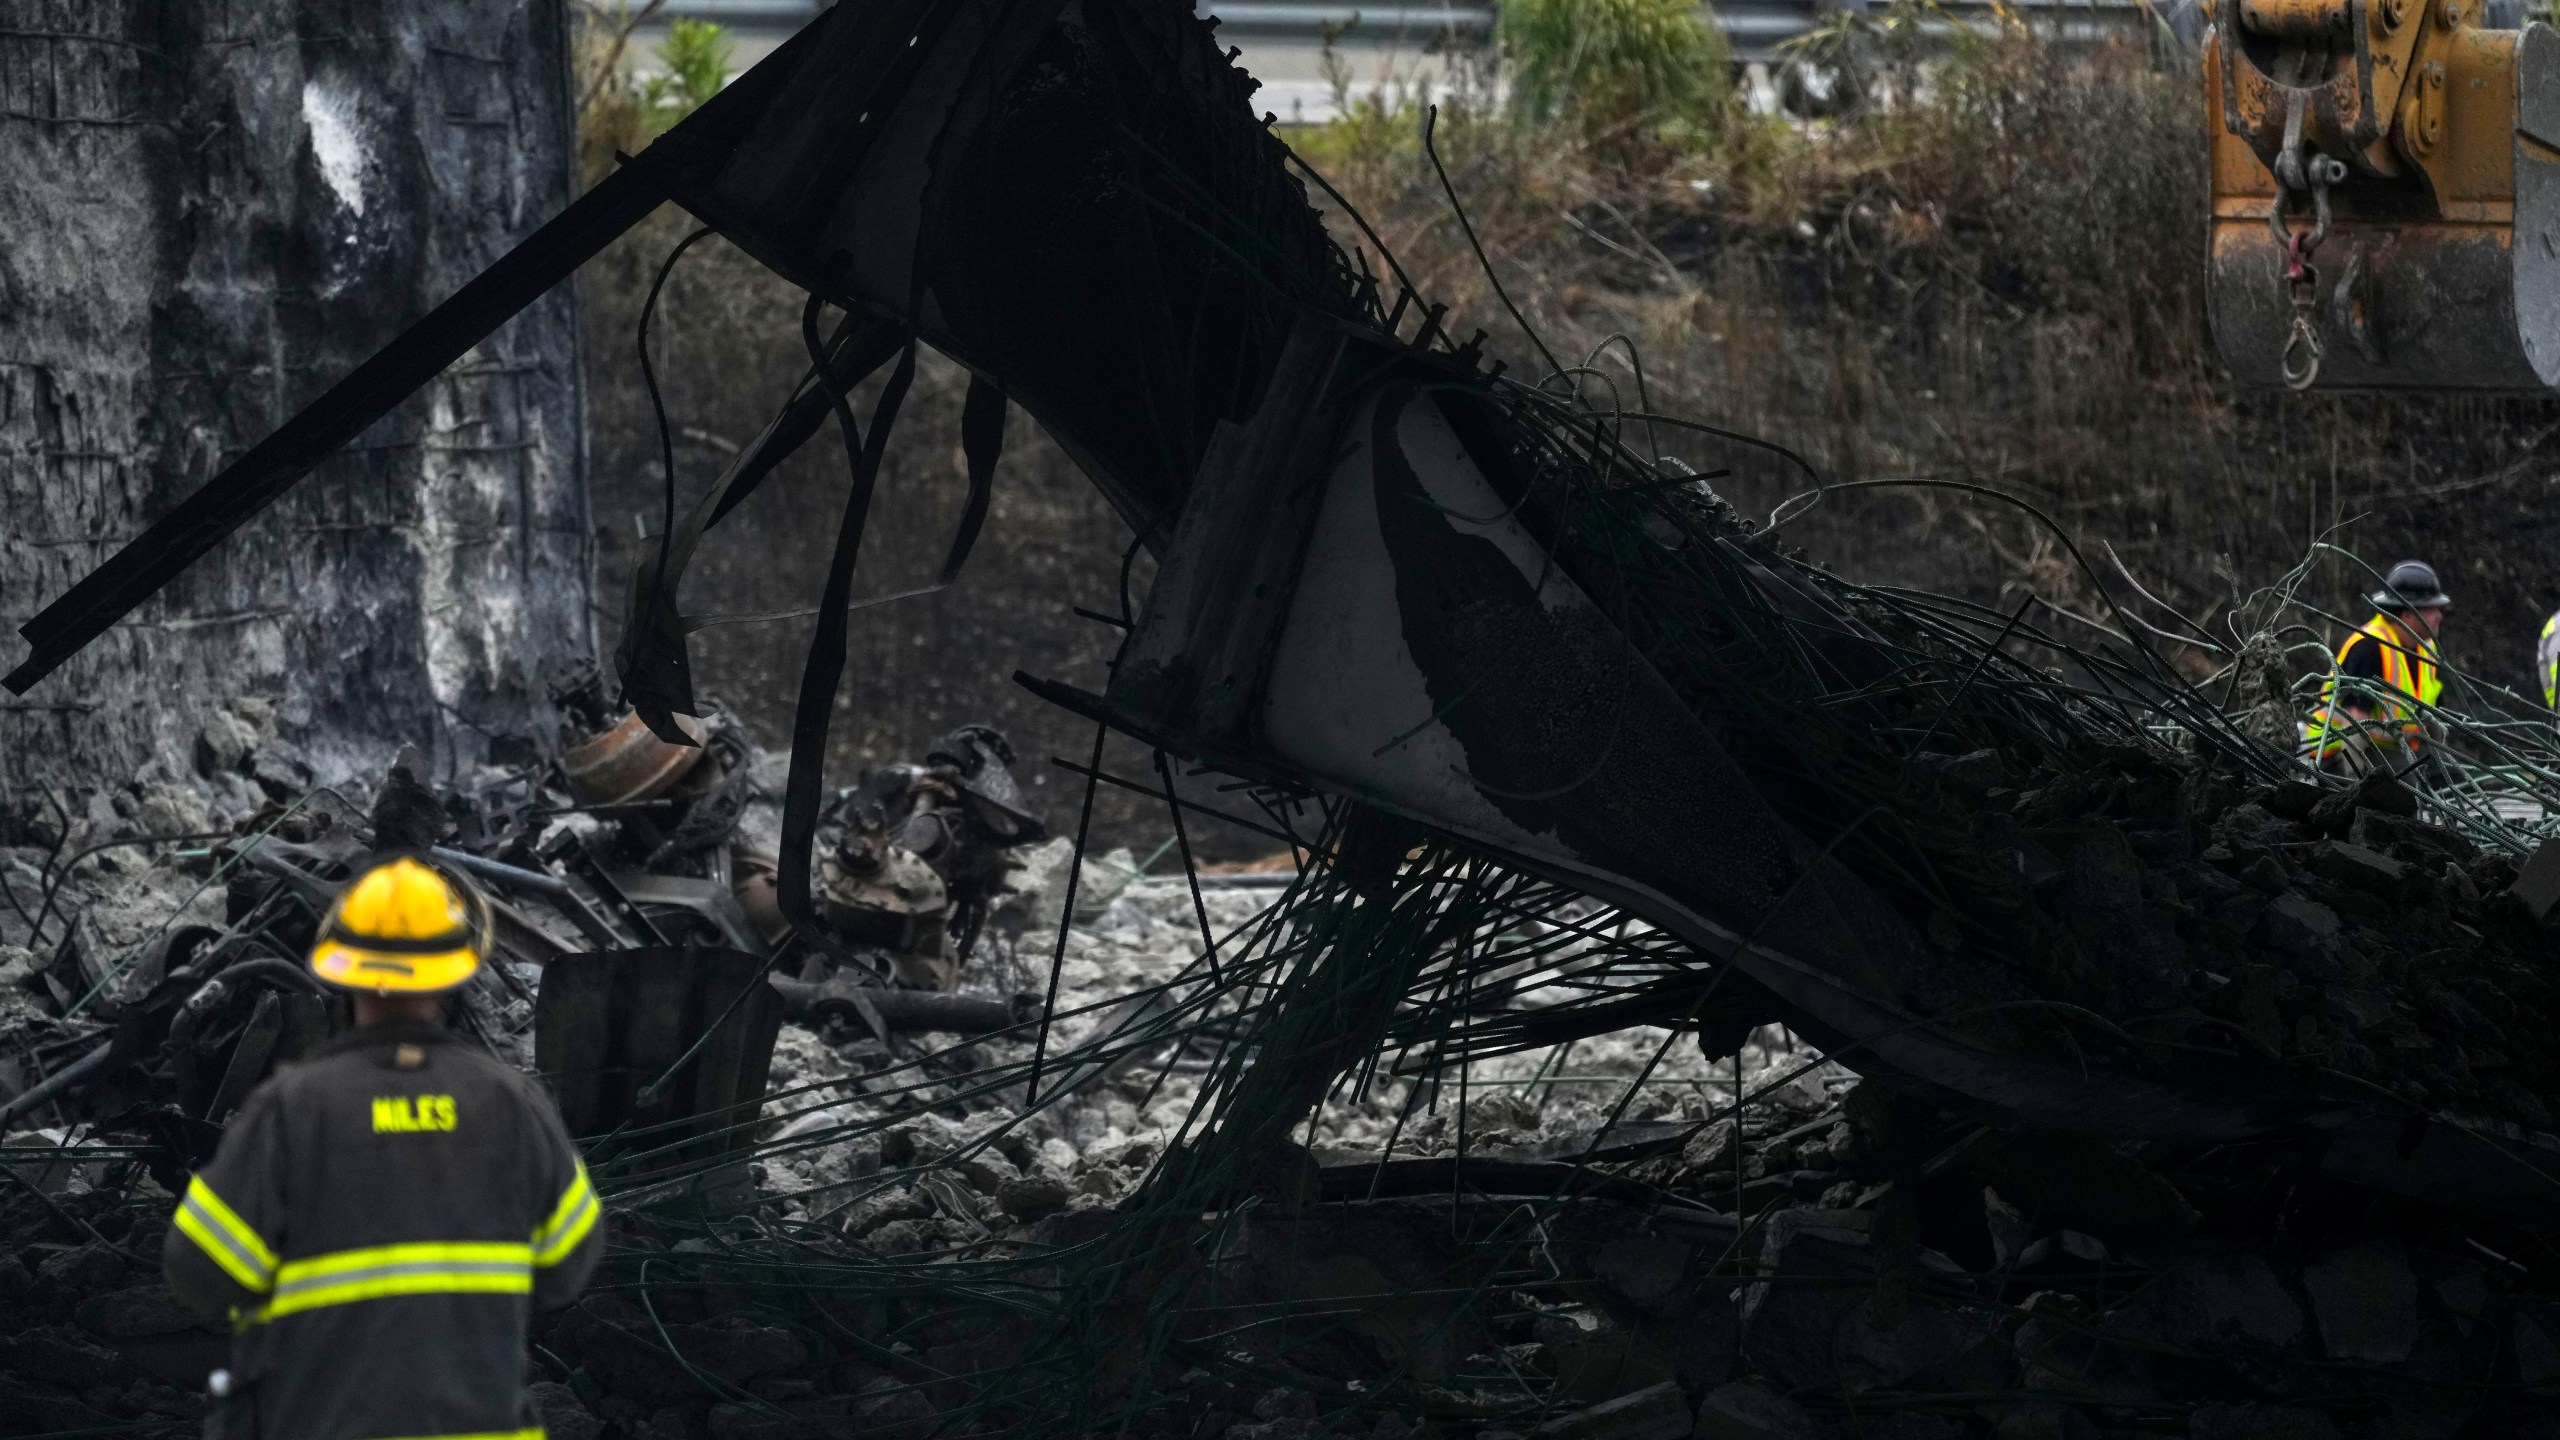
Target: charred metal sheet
[(819, 1001), (1438, 663), (1221, 596), (668, 1046), (709, 901)]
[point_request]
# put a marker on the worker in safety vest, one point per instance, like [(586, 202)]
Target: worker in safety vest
[(2366, 716), (382, 1216)]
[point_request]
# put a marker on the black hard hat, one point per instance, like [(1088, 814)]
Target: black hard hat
[(2411, 585)]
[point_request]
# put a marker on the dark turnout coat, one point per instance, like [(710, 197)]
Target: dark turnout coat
[(379, 1222)]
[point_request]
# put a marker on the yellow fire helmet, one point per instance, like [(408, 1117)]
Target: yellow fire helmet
[(403, 927)]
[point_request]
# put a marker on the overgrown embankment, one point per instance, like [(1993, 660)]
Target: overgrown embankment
[(1998, 283)]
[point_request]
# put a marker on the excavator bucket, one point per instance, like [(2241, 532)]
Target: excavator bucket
[(2437, 263)]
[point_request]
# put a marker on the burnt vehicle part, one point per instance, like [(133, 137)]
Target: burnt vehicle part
[(658, 1056), (921, 852), (843, 1000)]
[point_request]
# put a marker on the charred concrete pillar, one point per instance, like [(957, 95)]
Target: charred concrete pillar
[(213, 209)]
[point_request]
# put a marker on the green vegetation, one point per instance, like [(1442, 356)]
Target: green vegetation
[(696, 55), (621, 112), (1618, 70)]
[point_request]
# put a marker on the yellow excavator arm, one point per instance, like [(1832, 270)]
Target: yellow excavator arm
[(2386, 196)]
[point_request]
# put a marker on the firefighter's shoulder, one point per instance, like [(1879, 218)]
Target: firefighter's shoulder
[(407, 1083)]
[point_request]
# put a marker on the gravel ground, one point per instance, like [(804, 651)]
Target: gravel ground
[(1135, 933)]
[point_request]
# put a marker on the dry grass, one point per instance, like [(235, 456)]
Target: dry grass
[(2001, 283)]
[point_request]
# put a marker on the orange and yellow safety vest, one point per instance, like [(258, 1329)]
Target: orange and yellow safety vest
[(2408, 669)]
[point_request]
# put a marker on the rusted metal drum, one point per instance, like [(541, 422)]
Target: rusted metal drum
[(757, 886), (628, 763)]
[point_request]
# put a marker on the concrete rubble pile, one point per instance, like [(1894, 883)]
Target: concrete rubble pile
[(1587, 1242), (2338, 931)]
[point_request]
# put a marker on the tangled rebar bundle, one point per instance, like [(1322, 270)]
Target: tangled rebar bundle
[(1567, 748)]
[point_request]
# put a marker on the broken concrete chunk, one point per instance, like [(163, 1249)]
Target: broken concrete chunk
[(2082, 1184), (1745, 1411), (1657, 1412), (2363, 1009), (223, 743), (2008, 1226), (137, 1312), (890, 1410), (2354, 865), (1649, 1272), (2365, 1300), (93, 1266), (985, 1170), (905, 1237), (2537, 1349), (2459, 1285), (35, 1410), (2296, 799), (1073, 1225), (2102, 879), (2538, 884), (1910, 1425), (2249, 1002), (2216, 1301), (172, 810), (2057, 1349), (65, 1357), (1029, 1197), (881, 1209), (740, 1353), (1596, 1367), (1709, 1149), (2064, 1245), (2378, 830), (2390, 796), (1921, 1340), (2042, 1420), (2017, 852), (2247, 829), (1790, 1331), (564, 1416), (2260, 1422), (1980, 771), (617, 1358), (17, 1282), (1702, 1343), (2298, 925)]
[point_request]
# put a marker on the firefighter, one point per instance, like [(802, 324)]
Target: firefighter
[(382, 1216), (2367, 716)]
